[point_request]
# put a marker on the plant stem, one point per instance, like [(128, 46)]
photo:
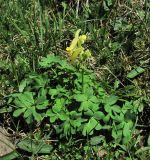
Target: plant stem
[(82, 80)]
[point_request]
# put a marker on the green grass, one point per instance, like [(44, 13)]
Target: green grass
[(118, 37)]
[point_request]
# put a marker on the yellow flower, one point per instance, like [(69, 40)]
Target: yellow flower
[(83, 37), (75, 49)]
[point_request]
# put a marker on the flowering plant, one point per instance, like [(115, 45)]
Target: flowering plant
[(76, 48)]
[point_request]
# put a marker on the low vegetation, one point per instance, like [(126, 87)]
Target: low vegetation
[(74, 80)]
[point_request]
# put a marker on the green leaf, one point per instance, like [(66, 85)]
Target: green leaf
[(53, 92), (22, 85), (19, 103), (49, 61), (106, 118), (94, 99), (84, 106), (97, 140), (28, 112), (24, 100), (6, 109), (80, 97), (127, 129), (58, 105), (110, 100), (29, 119), (53, 119), (116, 108), (37, 116), (50, 113), (76, 123), (142, 150), (93, 106), (135, 72), (98, 127), (106, 127), (116, 133), (98, 115), (126, 139), (67, 127), (107, 108), (63, 116), (34, 146), (11, 156), (41, 99), (89, 113), (53, 116), (43, 105), (89, 126), (18, 112), (42, 102)]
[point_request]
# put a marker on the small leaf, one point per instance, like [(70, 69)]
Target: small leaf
[(41, 99), (107, 108), (43, 105), (67, 127), (84, 106), (89, 126), (106, 127), (106, 118), (98, 115), (28, 112), (94, 106), (53, 119), (18, 112), (53, 92), (116, 108), (49, 60), (127, 129), (37, 116), (58, 105), (63, 116), (80, 97), (89, 113), (110, 100), (94, 99), (97, 140), (22, 85), (98, 127), (135, 72)]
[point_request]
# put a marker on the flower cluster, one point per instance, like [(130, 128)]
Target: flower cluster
[(76, 49)]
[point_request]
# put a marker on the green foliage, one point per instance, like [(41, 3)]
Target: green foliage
[(57, 94), (34, 146), (50, 92)]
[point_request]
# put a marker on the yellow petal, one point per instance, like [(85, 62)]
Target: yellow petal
[(75, 54)]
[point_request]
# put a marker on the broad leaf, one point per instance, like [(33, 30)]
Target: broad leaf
[(34, 146)]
